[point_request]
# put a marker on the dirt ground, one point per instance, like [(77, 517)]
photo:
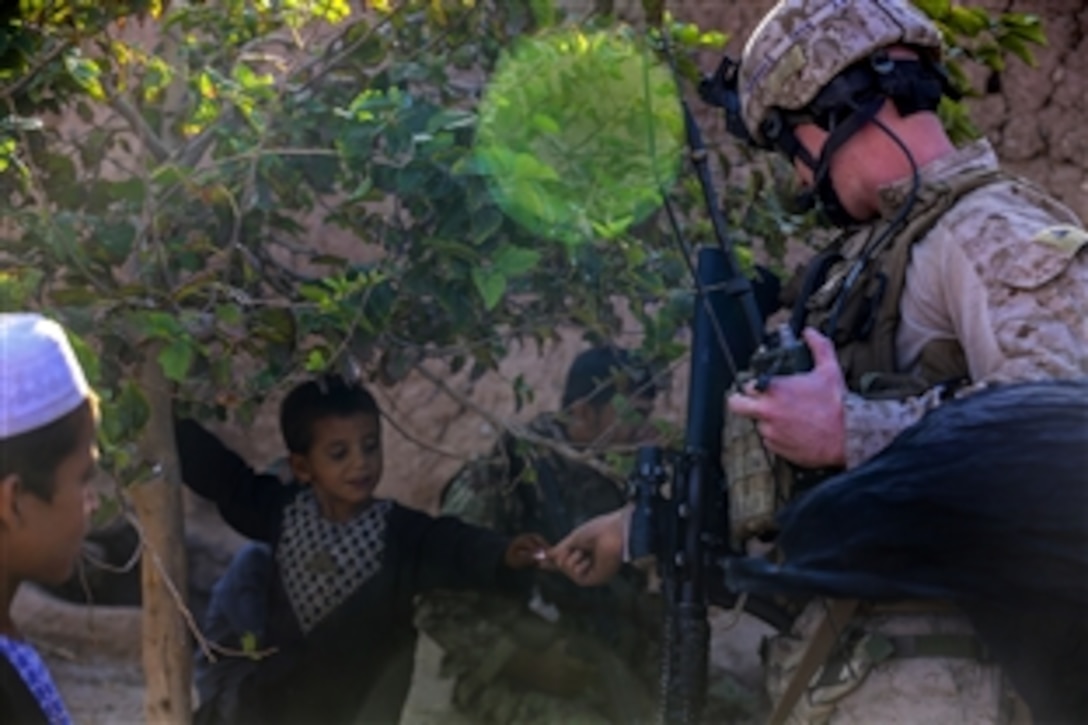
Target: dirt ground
[(94, 655)]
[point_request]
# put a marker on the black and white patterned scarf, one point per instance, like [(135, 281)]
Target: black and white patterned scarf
[(322, 563)]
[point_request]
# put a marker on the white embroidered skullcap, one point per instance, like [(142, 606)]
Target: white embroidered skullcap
[(40, 378)]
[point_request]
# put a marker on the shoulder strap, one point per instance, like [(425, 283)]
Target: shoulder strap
[(838, 615)]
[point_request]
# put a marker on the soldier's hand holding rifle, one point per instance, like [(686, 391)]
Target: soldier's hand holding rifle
[(801, 417)]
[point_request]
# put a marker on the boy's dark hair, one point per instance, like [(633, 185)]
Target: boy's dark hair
[(597, 374), (327, 396), (35, 455)]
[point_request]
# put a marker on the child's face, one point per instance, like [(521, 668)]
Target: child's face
[(344, 464), (48, 535)]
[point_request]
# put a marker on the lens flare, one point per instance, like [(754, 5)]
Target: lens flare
[(580, 133)]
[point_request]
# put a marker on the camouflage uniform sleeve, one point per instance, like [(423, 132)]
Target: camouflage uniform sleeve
[(871, 425), (474, 629), (1007, 278)]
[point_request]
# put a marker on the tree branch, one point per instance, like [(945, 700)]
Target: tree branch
[(586, 457), (136, 122), (23, 80)]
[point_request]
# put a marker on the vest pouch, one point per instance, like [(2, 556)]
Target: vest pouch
[(758, 483)]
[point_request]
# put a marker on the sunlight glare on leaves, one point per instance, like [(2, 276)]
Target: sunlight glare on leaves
[(579, 133)]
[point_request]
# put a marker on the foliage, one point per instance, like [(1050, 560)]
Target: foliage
[(579, 133), (974, 36), (178, 219), (185, 216)]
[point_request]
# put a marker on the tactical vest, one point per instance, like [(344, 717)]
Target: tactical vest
[(861, 298), (856, 302)]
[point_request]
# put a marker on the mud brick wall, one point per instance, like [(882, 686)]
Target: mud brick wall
[(1037, 118)]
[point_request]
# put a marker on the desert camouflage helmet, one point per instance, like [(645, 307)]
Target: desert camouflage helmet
[(801, 45)]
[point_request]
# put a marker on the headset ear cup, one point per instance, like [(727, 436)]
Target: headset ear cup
[(772, 126)]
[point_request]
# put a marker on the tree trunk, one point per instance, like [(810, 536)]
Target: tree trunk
[(167, 655)]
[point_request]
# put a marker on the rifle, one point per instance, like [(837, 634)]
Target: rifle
[(688, 529)]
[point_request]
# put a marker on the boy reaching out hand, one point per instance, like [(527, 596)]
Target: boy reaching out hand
[(345, 567)]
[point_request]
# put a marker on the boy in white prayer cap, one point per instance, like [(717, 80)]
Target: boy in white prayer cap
[(48, 457)]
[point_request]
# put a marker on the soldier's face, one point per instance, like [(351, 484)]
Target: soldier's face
[(624, 422)]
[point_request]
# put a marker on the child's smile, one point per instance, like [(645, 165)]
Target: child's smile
[(344, 464)]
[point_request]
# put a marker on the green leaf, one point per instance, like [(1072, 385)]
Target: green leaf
[(713, 39), (86, 73), (158, 325), (176, 359), (249, 644), (117, 240), (936, 9), (317, 361), (127, 414), (511, 261), (87, 357), (229, 314), (1026, 26), (543, 12), (968, 21), (333, 11), (451, 119), (544, 124), (1017, 47), (490, 284)]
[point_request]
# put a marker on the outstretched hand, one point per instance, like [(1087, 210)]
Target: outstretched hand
[(593, 552), (526, 551), (801, 417)]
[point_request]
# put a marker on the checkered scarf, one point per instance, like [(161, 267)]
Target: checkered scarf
[(322, 563)]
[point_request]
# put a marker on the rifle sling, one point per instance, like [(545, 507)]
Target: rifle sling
[(839, 613)]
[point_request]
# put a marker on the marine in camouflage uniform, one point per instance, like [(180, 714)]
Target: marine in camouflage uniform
[(606, 637), (972, 275), (570, 654)]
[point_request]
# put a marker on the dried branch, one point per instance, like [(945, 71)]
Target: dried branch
[(586, 456), (136, 122), (207, 647)]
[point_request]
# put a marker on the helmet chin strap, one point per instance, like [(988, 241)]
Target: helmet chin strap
[(822, 195)]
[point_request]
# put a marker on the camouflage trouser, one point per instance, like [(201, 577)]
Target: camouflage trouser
[(502, 702), (868, 684)]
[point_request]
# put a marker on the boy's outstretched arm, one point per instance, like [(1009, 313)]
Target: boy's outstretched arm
[(453, 554), (251, 503)]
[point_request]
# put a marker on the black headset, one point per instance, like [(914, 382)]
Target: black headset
[(841, 108)]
